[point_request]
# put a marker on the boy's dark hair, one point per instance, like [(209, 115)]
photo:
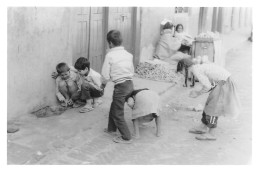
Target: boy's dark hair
[(115, 37), (82, 63), (168, 25), (62, 67), (178, 25)]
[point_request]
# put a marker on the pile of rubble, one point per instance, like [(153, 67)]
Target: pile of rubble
[(158, 72)]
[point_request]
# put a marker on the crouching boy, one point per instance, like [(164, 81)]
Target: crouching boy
[(92, 87)]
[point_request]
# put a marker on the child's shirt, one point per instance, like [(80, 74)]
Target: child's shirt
[(73, 76), (94, 78), (118, 65), (207, 72), (183, 36)]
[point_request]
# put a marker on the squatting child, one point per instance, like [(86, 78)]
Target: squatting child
[(67, 85), (92, 87)]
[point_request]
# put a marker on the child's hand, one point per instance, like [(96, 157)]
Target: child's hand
[(69, 102), (194, 94), (54, 75), (62, 99)]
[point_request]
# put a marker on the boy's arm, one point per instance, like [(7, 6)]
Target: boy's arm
[(72, 68), (206, 85), (132, 67), (106, 68), (78, 81), (58, 93), (96, 80)]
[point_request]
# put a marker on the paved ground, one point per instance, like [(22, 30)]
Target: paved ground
[(74, 138)]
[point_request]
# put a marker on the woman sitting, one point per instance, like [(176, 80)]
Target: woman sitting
[(168, 46), (185, 39)]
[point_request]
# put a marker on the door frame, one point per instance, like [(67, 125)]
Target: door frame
[(136, 32)]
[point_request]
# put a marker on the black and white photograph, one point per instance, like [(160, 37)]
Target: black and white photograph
[(129, 85)]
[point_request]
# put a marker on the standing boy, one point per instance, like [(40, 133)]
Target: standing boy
[(118, 66)]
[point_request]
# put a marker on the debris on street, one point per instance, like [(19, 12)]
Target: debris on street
[(158, 72)]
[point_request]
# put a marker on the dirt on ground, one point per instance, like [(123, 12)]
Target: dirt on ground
[(76, 138)]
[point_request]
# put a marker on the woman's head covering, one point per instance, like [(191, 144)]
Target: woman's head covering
[(167, 24)]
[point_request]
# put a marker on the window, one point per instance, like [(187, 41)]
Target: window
[(179, 10)]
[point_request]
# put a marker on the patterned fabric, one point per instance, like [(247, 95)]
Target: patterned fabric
[(146, 102)]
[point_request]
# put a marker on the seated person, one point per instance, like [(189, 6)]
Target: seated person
[(92, 87), (186, 40), (67, 85), (168, 46), (145, 104)]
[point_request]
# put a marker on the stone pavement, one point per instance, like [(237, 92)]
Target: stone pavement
[(75, 138)]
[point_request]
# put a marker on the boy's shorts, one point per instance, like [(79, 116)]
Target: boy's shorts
[(88, 91)]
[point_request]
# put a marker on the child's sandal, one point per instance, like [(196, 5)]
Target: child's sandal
[(119, 139), (206, 137), (86, 109)]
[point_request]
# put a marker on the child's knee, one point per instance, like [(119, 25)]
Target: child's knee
[(85, 86), (75, 96), (62, 86), (71, 84)]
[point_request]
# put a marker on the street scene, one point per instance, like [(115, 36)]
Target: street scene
[(44, 128)]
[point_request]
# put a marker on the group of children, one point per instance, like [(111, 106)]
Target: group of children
[(81, 84)]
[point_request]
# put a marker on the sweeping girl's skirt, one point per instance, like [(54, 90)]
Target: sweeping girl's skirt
[(223, 100)]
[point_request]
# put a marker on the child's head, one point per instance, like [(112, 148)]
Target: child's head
[(130, 102), (168, 25), (63, 70), (184, 63), (114, 38), (82, 65), (179, 28)]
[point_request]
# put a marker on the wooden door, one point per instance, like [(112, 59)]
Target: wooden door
[(82, 32), (90, 36), (121, 18), (96, 45)]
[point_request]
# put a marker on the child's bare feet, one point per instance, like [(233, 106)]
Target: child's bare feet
[(135, 136), (64, 104), (113, 133), (97, 102), (201, 129), (159, 134)]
